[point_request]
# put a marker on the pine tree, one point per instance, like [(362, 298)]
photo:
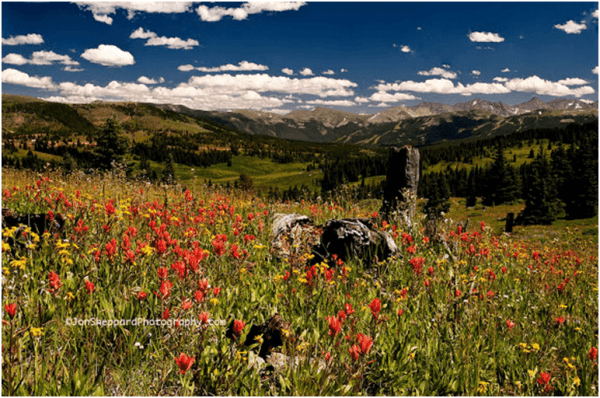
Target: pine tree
[(110, 146), (438, 196), (168, 174), (542, 205), (471, 190), (502, 184)]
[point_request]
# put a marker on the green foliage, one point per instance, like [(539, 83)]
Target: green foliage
[(168, 173), (542, 205), (502, 181), (245, 182), (437, 195), (110, 146)]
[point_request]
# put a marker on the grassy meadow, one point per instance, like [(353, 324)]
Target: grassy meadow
[(467, 312)]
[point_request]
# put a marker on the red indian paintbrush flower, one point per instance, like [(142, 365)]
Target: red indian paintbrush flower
[(365, 342), (238, 326), (11, 309), (203, 317), (593, 354), (544, 380), (89, 286), (355, 352), (54, 282), (184, 362), (510, 324), (142, 296), (334, 326), (375, 307), (349, 309), (560, 320)]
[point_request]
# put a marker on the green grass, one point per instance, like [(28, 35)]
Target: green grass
[(522, 156), (495, 217), (263, 172)]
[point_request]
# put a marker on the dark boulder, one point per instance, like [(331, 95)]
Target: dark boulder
[(37, 222), (355, 238), (271, 332)]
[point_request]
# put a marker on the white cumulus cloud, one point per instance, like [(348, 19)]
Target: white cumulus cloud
[(329, 72), (320, 86), (382, 96), (500, 79), (39, 58), (571, 27), (215, 14), (438, 72), (332, 103), (32, 38), (13, 76), (108, 55), (535, 84), (186, 68), (595, 14), (306, 72), (595, 70), (572, 81), (69, 68), (485, 37), (476, 72), (343, 70), (405, 49), (505, 70), (101, 9), (174, 43), (444, 86), (146, 80), (241, 66), (288, 71)]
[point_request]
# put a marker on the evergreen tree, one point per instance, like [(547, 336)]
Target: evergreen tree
[(502, 184), (438, 196), (111, 146), (471, 192), (244, 182), (168, 174), (542, 205)]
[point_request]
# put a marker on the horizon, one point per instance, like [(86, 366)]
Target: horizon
[(278, 57)]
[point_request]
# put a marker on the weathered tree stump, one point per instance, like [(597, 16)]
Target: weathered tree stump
[(402, 180)]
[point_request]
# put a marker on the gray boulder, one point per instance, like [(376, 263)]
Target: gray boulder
[(355, 238)]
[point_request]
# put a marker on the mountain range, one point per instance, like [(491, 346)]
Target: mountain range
[(420, 124)]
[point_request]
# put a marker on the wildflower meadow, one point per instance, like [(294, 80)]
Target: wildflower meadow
[(135, 295)]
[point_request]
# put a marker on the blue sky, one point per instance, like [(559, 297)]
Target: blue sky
[(281, 56)]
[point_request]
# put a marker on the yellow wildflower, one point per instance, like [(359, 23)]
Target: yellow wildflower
[(214, 301), (535, 347), (576, 381), (36, 332), (19, 263), (482, 387), (531, 373)]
